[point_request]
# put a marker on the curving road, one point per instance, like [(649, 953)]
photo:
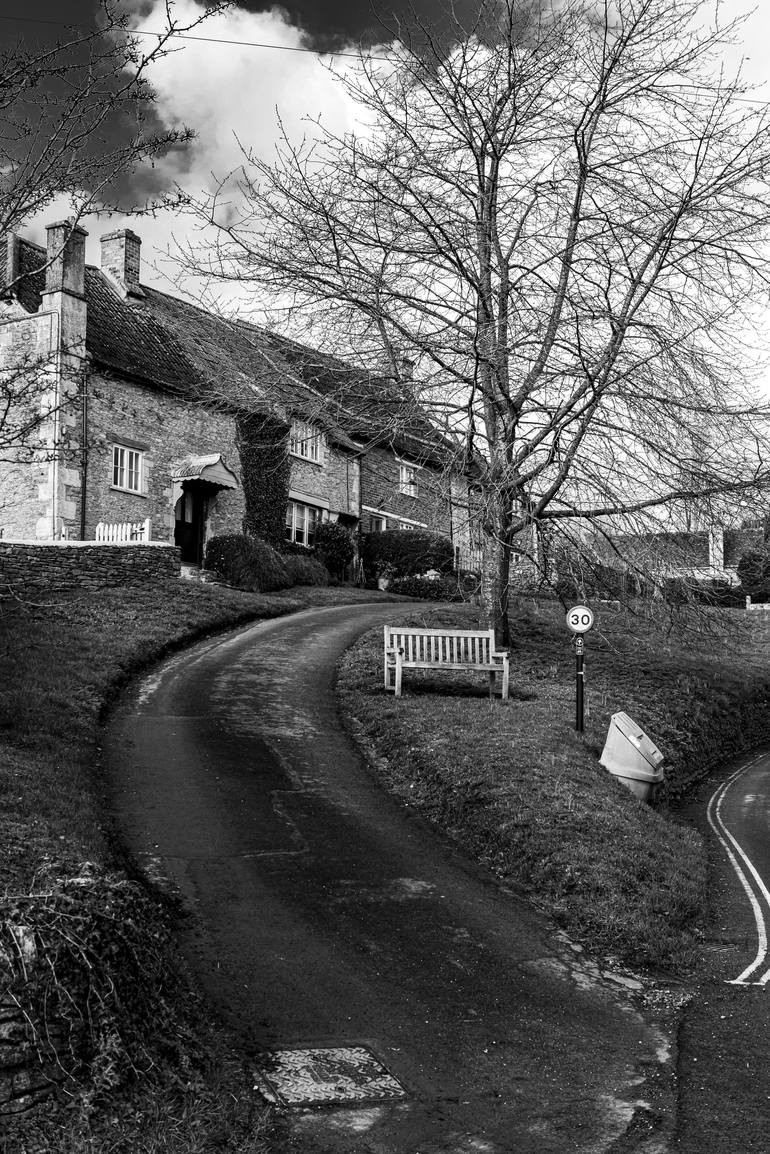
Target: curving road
[(325, 917), (723, 1052)]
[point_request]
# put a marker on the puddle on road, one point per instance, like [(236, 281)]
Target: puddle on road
[(393, 890)]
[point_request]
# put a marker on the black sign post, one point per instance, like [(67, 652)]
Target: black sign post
[(579, 682), (579, 619)]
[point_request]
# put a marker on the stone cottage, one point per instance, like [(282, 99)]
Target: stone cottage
[(141, 410), (408, 476)]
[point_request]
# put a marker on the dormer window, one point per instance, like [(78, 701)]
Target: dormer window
[(407, 479), (306, 441)]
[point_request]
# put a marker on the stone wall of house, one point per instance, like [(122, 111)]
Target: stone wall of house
[(335, 483), (33, 565), (166, 429), (380, 490), (26, 344)]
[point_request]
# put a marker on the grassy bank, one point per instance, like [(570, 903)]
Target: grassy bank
[(83, 949), (526, 794)]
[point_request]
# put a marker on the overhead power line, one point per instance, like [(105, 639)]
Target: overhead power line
[(185, 36)]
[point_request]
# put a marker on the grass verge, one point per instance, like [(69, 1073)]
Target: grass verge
[(90, 996), (525, 794)]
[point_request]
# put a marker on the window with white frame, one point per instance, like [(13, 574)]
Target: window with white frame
[(407, 478), (377, 524), (306, 441), (302, 522), (127, 468)]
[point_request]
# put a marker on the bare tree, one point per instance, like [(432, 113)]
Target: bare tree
[(563, 219), (76, 116)]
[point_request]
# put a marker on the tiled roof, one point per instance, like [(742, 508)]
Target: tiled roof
[(375, 409), (166, 342)]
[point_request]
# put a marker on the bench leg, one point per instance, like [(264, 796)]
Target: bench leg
[(491, 683), (387, 673), (399, 671), (504, 695)]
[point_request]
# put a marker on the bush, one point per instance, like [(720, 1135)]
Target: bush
[(333, 545), (675, 590), (408, 552), (718, 593), (754, 575), (442, 589), (247, 563), (306, 570)]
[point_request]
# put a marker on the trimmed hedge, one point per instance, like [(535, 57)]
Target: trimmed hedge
[(441, 589), (333, 544), (406, 552), (306, 570), (247, 563)]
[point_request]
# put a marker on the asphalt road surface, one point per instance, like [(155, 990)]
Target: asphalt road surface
[(326, 918), (723, 1051)]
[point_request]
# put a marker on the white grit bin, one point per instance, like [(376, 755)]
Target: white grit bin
[(631, 756)]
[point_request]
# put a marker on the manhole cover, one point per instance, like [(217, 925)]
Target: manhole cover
[(326, 1076)]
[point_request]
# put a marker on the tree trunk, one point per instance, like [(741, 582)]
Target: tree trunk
[(496, 564)]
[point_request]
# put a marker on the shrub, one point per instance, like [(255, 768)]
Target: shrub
[(754, 574), (306, 570), (247, 563), (442, 589), (409, 552), (333, 545), (675, 590)]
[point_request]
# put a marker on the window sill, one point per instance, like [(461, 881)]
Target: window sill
[(307, 460), (131, 492)]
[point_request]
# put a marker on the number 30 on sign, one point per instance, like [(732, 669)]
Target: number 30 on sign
[(580, 619)]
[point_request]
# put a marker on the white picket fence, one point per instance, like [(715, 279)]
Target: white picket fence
[(123, 532)]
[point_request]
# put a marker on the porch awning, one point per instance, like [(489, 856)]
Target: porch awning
[(211, 468)]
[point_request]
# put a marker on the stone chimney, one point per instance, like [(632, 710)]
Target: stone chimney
[(12, 265), (66, 259), (121, 260)]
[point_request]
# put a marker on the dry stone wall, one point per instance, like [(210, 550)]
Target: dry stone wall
[(31, 566)]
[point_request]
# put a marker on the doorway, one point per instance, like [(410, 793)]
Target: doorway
[(190, 521)]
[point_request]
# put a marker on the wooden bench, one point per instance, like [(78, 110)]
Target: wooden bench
[(442, 649)]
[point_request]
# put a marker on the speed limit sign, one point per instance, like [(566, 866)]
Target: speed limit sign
[(580, 619)]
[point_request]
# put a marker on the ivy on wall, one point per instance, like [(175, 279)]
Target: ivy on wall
[(263, 448)]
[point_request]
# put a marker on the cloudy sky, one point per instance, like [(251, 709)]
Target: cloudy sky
[(225, 90)]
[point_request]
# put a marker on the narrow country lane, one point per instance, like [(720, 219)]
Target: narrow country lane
[(724, 1052), (325, 917)]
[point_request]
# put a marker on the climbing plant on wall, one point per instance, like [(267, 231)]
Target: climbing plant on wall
[(263, 449)]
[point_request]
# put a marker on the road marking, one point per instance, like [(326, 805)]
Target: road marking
[(714, 814)]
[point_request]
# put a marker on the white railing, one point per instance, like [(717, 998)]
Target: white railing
[(123, 532)]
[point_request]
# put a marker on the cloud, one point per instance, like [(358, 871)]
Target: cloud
[(231, 95), (225, 92)]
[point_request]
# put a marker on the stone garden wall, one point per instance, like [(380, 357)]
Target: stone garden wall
[(30, 565)]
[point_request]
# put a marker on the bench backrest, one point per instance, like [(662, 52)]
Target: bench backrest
[(449, 646)]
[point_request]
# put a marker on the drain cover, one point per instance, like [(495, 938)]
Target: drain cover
[(326, 1076)]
